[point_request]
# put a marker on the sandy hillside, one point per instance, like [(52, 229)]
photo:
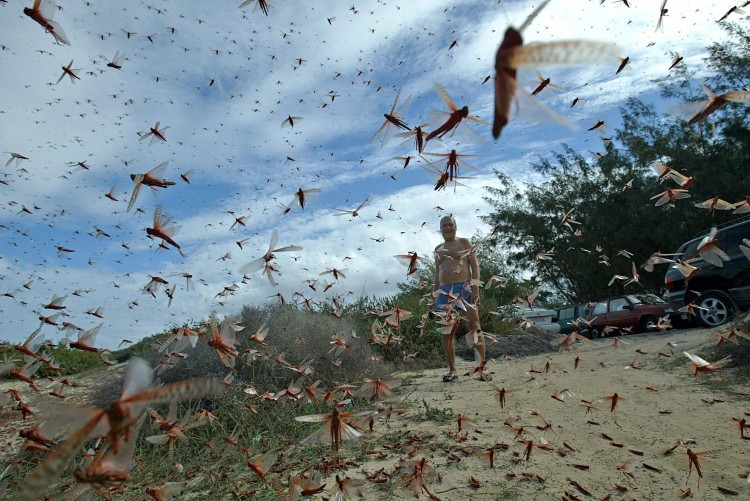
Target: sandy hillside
[(586, 452)]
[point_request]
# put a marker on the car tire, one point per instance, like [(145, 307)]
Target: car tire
[(719, 309), (678, 322), (595, 333), (648, 323)]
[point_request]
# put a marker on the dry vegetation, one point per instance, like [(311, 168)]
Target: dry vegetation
[(212, 458)]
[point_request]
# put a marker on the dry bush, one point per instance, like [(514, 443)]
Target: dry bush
[(739, 350), (301, 336), (306, 336)]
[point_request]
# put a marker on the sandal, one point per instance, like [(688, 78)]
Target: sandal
[(450, 377), (485, 376)]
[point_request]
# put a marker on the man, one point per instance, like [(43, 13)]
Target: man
[(457, 287)]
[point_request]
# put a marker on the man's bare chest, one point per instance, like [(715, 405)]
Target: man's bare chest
[(450, 252)]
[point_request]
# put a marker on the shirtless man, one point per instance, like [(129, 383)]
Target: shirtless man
[(456, 281)]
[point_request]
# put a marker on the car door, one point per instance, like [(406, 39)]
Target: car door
[(598, 315), (620, 312), (564, 317), (737, 270)]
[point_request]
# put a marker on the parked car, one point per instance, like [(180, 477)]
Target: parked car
[(546, 319), (623, 313), (566, 315), (717, 292)]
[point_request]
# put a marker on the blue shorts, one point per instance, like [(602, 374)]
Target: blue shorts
[(456, 289)]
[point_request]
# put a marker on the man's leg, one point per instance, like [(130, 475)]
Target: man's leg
[(450, 352), (475, 338)]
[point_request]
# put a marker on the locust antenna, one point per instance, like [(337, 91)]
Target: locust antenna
[(533, 15)]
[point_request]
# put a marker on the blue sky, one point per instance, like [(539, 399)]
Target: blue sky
[(230, 135)]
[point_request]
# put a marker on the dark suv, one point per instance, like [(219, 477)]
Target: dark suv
[(566, 315), (717, 291)]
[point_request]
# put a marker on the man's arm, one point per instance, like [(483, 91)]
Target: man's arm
[(474, 270), (436, 282)]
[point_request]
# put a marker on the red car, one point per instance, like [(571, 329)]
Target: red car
[(623, 313)]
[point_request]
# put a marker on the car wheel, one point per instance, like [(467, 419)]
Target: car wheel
[(595, 333), (648, 323), (715, 309), (678, 322)]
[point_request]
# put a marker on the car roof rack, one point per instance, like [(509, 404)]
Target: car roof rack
[(722, 226)]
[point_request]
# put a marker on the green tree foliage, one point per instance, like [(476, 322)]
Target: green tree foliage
[(610, 198)]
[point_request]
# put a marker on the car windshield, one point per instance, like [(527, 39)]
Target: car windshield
[(599, 309), (645, 299), (690, 248)]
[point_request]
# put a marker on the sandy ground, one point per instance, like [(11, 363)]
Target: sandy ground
[(80, 395), (585, 454), (576, 453)]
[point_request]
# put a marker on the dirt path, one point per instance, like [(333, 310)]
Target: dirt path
[(661, 403)]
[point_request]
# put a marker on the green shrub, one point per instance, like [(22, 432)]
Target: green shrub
[(70, 361)]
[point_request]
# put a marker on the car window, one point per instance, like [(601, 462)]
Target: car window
[(618, 304), (733, 238), (600, 309), (566, 313), (690, 248), (645, 299)]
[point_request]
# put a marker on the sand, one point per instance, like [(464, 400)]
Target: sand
[(578, 450), (588, 453)]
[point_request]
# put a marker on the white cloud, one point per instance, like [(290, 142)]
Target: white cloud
[(230, 134)]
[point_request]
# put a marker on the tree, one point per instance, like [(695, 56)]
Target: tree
[(614, 221), (419, 333)]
